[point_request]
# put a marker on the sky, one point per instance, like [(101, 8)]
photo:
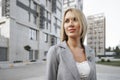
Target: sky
[(111, 10)]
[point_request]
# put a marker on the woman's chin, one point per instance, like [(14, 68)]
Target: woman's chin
[(72, 35)]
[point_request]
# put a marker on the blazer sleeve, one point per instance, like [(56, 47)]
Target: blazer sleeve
[(52, 64)]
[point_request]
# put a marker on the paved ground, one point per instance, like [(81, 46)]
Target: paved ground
[(36, 71), (108, 72)]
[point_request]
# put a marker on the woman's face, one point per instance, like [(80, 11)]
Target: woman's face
[(72, 25)]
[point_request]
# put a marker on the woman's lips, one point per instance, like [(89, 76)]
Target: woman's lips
[(71, 30)]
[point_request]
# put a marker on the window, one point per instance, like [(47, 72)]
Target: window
[(54, 6), (5, 7), (35, 6), (35, 16), (48, 15), (49, 26), (48, 21), (3, 54), (55, 25), (55, 29), (68, 2), (36, 54), (42, 17), (35, 19), (46, 37), (33, 34), (45, 53), (31, 55), (46, 25), (29, 11), (53, 40)]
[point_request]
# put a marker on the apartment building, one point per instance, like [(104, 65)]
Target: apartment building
[(73, 3), (28, 28), (96, 33)]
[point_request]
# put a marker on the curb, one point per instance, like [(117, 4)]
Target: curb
[(11, 65)]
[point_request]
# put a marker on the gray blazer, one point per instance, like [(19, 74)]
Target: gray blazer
[(61, 64)]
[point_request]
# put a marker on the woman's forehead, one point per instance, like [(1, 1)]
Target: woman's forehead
[(70, 14)]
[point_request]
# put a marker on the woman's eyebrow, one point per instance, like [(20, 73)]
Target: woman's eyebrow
[(66, 18), (71, 17)]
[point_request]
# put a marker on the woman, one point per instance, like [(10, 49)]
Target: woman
[(70, 59)]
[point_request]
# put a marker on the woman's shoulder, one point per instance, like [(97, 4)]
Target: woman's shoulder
[(56, 46), (59, 45)]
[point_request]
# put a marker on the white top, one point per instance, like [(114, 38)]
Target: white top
[(83, 68)]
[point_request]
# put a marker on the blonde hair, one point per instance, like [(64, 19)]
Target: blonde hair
[(82, 22)]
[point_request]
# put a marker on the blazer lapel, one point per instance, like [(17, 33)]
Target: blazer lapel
[(69, 61)]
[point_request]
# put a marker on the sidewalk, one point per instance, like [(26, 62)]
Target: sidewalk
[(35, 78), (4, 65)]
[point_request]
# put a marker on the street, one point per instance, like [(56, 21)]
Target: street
[(105, 72), (36, 71)]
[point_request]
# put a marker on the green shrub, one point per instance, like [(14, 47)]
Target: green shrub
[(102, 60), (108, 60)]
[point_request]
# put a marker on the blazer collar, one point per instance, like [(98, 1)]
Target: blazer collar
[(87, 50)]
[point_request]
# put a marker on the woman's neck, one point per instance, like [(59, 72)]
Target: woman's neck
[(74, 43)]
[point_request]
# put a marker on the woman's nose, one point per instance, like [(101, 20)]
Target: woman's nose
[(71, 23)]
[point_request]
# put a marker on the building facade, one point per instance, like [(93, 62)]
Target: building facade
[(3, 38), (50, 33), (73, 3), (96, 33), (28, 28)]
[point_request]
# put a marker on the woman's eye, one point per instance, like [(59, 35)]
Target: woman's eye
[(74, 19), (67, 20)]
